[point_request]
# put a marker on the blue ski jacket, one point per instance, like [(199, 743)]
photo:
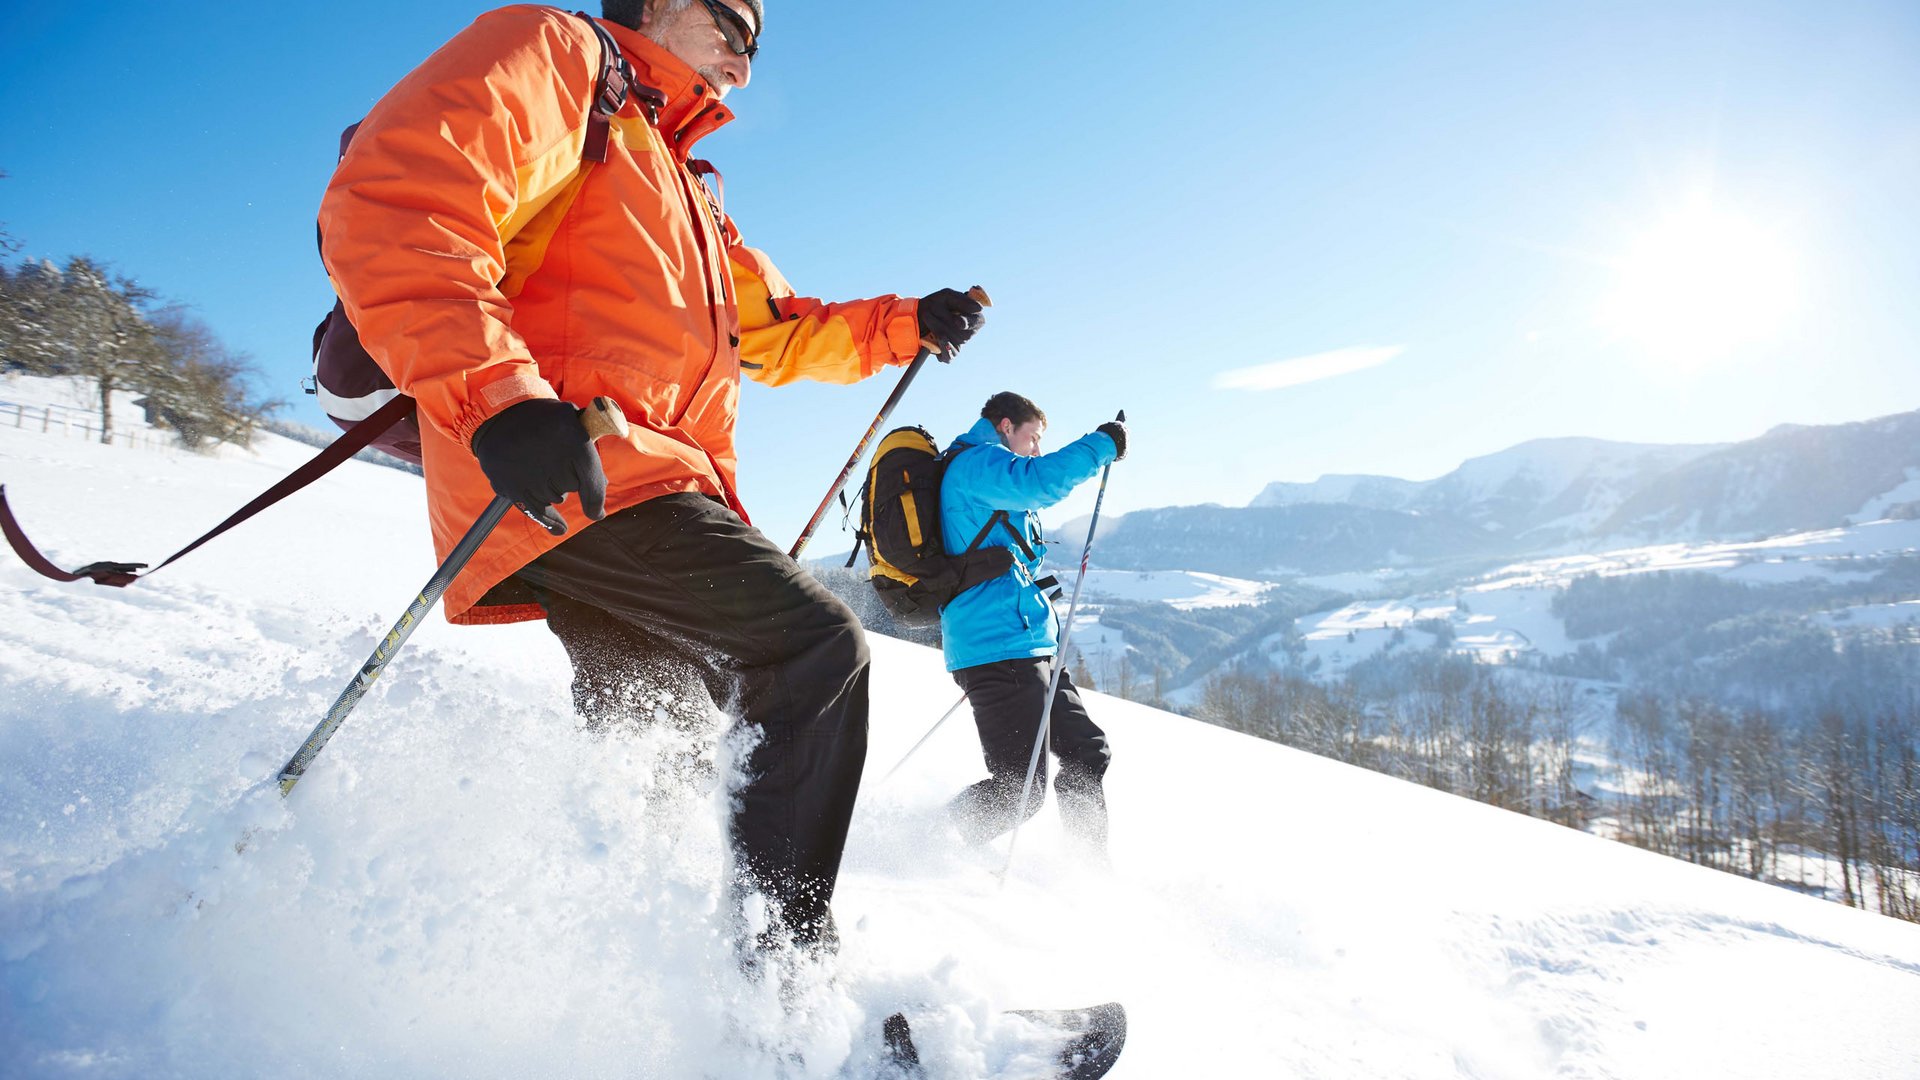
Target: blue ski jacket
[(1008, 617)]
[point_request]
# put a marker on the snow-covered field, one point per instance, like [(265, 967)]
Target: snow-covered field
[(1508, 612), (1184, 589), (466, 886)]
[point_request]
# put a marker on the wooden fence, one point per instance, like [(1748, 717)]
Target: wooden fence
[(82, 423)]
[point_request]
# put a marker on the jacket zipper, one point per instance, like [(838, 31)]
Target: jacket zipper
[(701, 215)]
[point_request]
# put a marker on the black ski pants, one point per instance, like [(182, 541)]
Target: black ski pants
[(1008, 697), (683, 575)]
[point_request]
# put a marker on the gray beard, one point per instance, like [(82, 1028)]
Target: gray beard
[(715, 81)]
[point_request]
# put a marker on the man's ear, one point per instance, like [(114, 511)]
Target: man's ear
[(1005, 427)]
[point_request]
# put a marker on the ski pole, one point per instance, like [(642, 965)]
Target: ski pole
[(923, 739), (1059, 662), (602, 417), (927, 348)]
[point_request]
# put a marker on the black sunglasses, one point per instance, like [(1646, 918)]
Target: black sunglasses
[(738, 35)]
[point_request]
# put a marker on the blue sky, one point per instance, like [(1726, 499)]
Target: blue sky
[(1657, 222)]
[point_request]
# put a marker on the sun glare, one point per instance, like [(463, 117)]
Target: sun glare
[(1700, 285)]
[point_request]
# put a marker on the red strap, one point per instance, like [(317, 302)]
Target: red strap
[(120, 575), (609, 92)]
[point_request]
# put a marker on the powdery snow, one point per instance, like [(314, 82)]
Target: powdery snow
[(1184, 589), (466, 886)]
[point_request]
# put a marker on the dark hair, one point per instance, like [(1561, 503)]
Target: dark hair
[(1007, 405)]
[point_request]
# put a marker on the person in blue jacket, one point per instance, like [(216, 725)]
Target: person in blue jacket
[(1001, 636)]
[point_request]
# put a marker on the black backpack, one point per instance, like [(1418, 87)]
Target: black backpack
[(900, 527), (351, 387)]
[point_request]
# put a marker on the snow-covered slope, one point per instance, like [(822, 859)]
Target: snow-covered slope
[(466, 886)]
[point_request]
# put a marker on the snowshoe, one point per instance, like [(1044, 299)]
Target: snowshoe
[(1096, 1036), (1093, 1038)]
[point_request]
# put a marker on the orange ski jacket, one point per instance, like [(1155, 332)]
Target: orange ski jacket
[(479, 274)]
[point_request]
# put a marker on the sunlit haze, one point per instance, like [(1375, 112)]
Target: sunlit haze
[(1700, 284)]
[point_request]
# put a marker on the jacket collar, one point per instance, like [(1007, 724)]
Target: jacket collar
[(981, 433), (689, 111)]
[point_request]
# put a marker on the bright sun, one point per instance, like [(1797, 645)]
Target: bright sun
[(1700, 285)]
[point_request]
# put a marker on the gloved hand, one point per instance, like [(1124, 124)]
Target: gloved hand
[(1117, 431), (535, 452), (949, 318)]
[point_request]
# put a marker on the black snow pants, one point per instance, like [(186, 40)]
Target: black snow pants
[(1007, 698), (682, 574)]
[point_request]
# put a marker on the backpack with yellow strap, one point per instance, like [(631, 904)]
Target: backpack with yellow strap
[(900, 527)]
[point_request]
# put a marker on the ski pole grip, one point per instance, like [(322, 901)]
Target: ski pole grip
[(603, 417), (977, 293)]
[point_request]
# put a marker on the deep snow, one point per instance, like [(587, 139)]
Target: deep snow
[(467, 886)]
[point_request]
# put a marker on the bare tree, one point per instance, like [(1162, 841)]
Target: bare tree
[(1833, 764), (112, 343), (8, 245), (1645, 751), (1706, 731), (1561, 724), (1499, 740), (201, 390)]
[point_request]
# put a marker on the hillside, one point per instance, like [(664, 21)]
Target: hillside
[(467, 886)]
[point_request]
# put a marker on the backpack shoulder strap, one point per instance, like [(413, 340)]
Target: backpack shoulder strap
[(999, 516), (609, 91)]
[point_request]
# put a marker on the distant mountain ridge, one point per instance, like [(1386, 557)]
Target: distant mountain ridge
[(1542, 496), (1553, 489), (1791, 479)]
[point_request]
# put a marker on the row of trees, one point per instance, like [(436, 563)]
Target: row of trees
[(1434, 719), (1747, 791), (83, 320)]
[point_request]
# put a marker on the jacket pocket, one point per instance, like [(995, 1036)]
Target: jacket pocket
[(1035, 612)]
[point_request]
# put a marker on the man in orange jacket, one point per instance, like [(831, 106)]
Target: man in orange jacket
[(502, 282)]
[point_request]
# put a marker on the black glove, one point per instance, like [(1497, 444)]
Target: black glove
[(949, 318), (1117, 431), (535, 452)]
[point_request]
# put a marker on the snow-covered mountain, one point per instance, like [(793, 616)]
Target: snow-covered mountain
[(1544, 491), (468, 886), (1287, 541), (1789, 480), (1542, 496)]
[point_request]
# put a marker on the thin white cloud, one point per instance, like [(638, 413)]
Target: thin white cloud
[(1305, 369)]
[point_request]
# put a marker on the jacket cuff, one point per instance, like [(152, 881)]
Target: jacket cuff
[(903, 331), (521, 383)]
